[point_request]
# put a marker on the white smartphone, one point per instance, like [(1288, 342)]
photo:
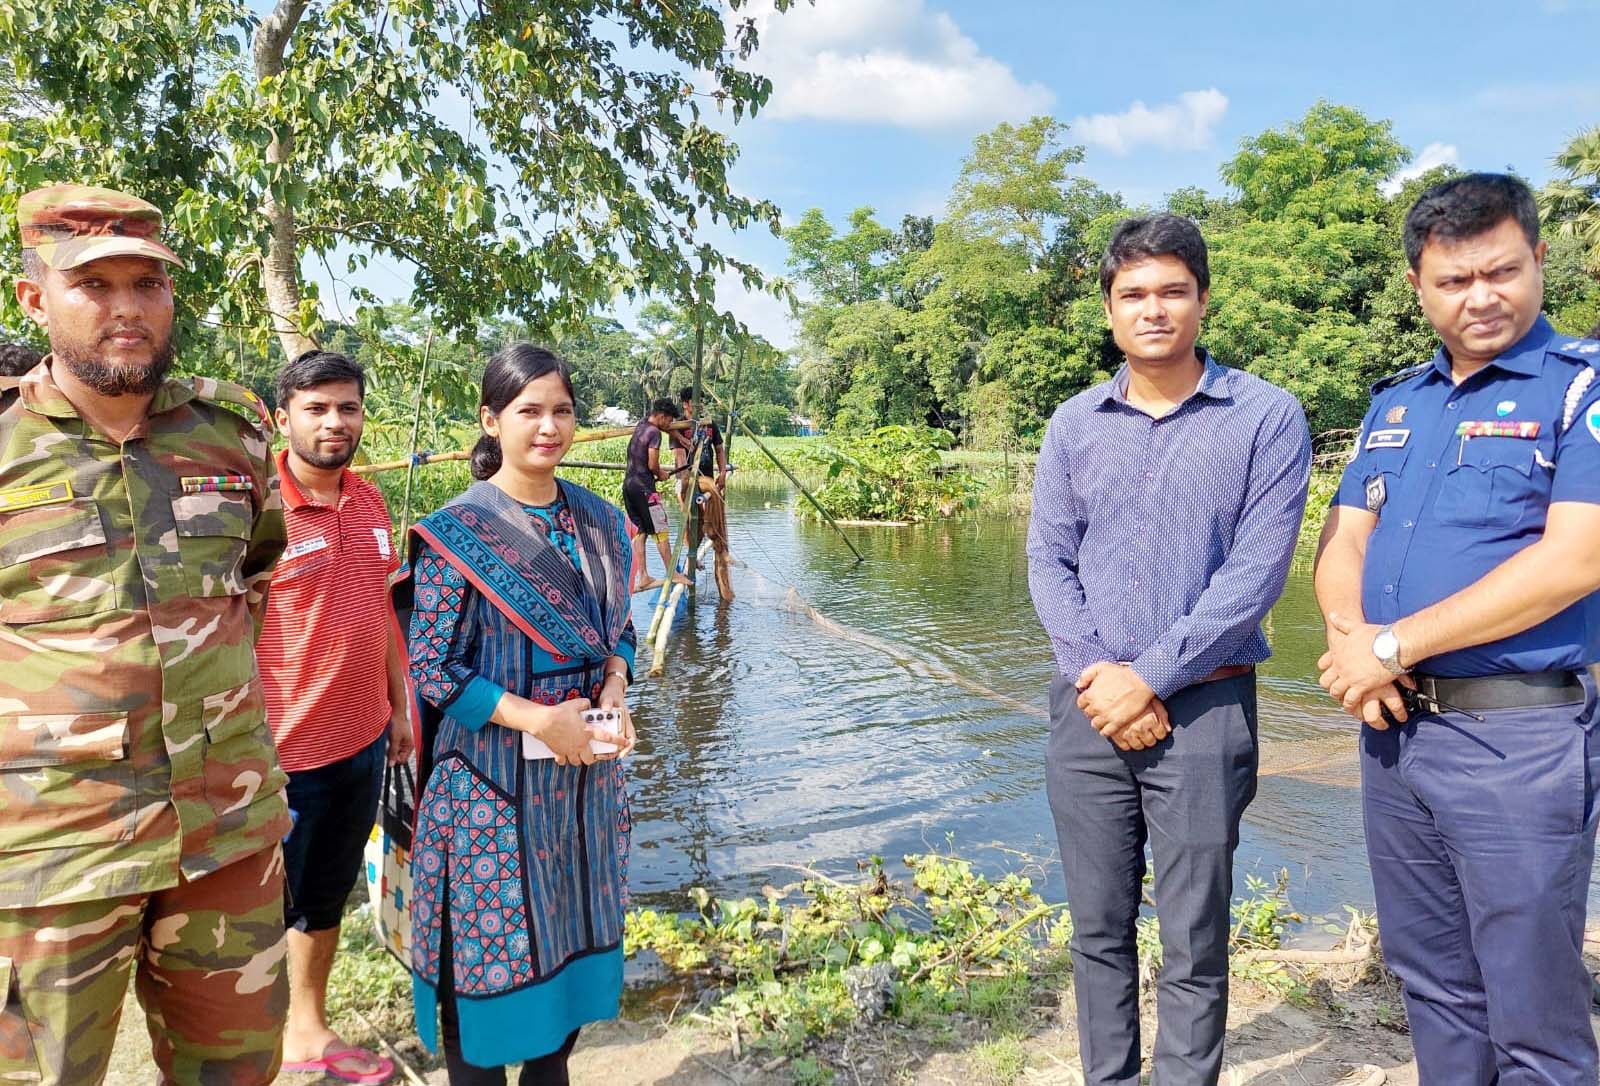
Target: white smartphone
[(607, 719)]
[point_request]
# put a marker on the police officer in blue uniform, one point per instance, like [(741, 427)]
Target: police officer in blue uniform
[(1459, 574)]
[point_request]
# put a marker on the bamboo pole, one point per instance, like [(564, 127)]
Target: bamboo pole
[(416, 428), (420, 458), (733, 401), (699, 405), (779, 464), (658, 655)]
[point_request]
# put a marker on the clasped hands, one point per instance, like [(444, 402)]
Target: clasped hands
[(1355, 678), (1121, 706)]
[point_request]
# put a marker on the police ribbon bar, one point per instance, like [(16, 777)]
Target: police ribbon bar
[(1498, 428)]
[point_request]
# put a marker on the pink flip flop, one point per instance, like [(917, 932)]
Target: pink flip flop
[(329, 1065)]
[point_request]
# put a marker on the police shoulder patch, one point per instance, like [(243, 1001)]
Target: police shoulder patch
[(1584, 350), (216, 390), (1396, 378)]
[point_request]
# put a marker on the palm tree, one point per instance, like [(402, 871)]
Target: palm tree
[(1572, 203)]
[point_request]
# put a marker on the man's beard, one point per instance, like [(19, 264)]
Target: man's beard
[(111, 379), (307, 451)]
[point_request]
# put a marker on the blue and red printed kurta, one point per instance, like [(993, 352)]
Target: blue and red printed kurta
[(528, 857)]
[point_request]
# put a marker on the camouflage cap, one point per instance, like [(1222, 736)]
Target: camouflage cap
[(70, 225)]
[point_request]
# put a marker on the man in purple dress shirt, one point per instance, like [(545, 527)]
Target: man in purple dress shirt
[(1166, 506)]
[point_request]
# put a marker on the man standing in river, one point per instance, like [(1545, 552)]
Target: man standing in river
[(1166, 506), (1459, 559)]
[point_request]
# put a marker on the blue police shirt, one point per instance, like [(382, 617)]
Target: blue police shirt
[(1460, 477)]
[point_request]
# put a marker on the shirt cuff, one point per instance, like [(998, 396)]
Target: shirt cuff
[(476, 703), (628, 651), (1160, 672)]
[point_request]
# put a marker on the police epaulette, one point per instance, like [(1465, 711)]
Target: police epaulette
[(1586, 351), (1395, 378), (220, 391)]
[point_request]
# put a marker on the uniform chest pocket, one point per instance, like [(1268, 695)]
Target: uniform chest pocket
[(54, 564), (1496, 483), (213, 530)]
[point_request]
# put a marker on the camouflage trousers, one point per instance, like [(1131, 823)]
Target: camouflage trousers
[(209, 974)]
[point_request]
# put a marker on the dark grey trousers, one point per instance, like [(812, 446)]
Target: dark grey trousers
[(1184, 797)]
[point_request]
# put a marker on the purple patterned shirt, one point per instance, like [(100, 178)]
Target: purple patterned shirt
[(1163, 542)]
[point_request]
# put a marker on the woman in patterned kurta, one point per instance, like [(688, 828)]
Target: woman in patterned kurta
[(519, 864)]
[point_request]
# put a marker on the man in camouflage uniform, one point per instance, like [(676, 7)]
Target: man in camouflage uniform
[(141, 803)]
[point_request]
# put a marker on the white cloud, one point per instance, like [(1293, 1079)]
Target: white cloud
[(1435, 154), (1183, 125), (889, 62), (761, 312)]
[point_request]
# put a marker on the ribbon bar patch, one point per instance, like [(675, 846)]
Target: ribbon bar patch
[(1388, 439), (26, 497), (202, 484), (1497, 428)]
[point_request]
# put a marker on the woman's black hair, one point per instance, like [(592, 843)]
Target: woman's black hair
[(508, 373)]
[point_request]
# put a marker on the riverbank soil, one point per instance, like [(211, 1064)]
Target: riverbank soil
[(1338, 1026), (1271, 1041)]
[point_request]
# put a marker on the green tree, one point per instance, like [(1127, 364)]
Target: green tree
[(1324, 168), (841, 269), (1572, 203), (1013, 186), (533, 159)]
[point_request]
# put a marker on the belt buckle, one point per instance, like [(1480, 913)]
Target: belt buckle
[(1426, 695)]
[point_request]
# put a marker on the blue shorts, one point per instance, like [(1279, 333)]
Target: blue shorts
[(334, 807)]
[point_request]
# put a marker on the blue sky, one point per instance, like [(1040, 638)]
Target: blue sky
[(877, 101)]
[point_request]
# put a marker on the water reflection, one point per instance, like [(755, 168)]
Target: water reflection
[(773, 741)]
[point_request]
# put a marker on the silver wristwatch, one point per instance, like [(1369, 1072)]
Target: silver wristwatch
[(1386, 647)]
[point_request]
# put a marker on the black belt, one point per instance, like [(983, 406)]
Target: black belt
[(1525, 690)]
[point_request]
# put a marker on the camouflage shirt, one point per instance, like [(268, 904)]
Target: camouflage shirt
[(133, 578)]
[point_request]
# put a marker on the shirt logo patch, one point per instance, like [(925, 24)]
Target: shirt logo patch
[(1388, 439), (26, 497), (1377, 493), (1505, 407), (305, 547), (1594, 421), (382, 536), (1395, 415)]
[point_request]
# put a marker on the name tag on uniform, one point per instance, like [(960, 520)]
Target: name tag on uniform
[(305, 547), (382, 536), (26, 497), (1388, 439)]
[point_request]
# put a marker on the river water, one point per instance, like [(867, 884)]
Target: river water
[(904, 711)]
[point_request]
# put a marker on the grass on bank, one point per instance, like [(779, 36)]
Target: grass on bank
[(934, 950)]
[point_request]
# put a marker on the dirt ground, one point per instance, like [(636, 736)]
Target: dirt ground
[(1331, 1038), (1344, 1026)]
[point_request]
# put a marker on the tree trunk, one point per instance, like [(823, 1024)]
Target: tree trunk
[(280, 272)]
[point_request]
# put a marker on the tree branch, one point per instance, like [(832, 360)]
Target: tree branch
[(280, 271)]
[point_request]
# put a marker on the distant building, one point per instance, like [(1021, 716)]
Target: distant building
[(803, 427), (612, 416)]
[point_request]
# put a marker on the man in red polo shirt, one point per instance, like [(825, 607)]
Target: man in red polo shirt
[(335, 688)]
